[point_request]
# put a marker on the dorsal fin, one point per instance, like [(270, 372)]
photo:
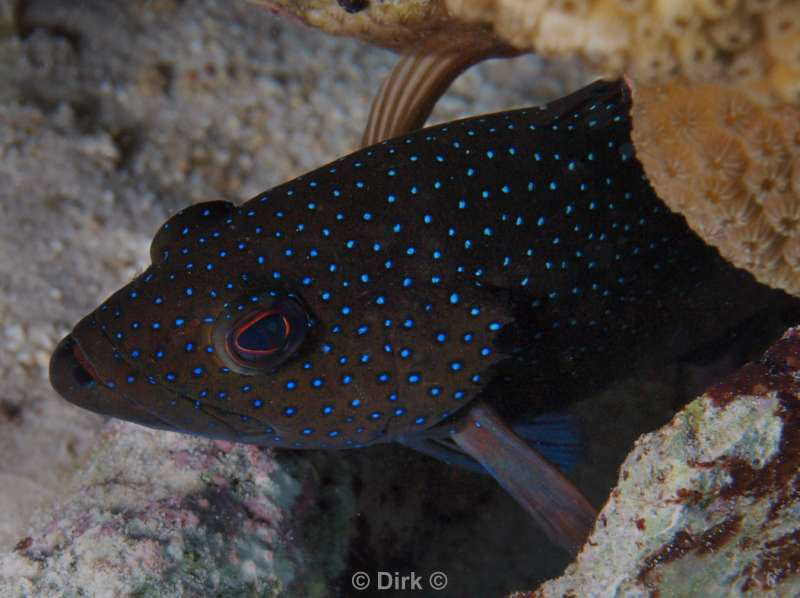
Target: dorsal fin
[(408, 95)]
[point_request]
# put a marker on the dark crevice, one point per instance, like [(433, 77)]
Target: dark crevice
[(129, 143), (86, 111), (26, 25), (10, 411)]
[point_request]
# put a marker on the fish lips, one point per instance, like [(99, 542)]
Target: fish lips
[(74, 377)]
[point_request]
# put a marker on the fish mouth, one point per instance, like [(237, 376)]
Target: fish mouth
[(73, 376), (70, 370), (84, 381)]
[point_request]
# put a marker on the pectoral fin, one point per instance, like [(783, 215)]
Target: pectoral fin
[(553, 501)]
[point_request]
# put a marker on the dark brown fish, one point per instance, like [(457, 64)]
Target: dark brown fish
[(517, 260)]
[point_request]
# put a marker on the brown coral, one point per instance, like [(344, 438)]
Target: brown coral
[(752, 44), (731, 167)]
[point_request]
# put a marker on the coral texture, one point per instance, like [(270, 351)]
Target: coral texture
[(709, 504), (731, 167), (753, 44)]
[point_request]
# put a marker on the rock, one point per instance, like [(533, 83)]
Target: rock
[(167, 514), (709, 504)]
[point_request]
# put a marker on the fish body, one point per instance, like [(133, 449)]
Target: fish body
[(520, 258)]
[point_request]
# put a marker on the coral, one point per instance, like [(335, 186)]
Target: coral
[(732, 167), (753, 45), (707, 505), (655, 41)]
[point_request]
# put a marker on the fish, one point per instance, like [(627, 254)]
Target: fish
[(435, 289)]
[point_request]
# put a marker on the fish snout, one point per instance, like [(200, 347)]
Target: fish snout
[(69, 374), (75, 378)]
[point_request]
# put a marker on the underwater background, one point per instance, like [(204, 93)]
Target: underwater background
[(113, 117)]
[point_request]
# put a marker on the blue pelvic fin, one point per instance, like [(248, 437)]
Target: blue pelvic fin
[(556, 436)]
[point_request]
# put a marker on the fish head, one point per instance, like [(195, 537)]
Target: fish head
[(235, 333)]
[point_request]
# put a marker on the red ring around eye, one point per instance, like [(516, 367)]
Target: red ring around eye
[(256, 353)]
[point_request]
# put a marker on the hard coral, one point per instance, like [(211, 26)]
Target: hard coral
[(753, 44), (731, 167)]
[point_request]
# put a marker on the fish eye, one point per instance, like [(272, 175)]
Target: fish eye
[(260, 335), (264, 337)]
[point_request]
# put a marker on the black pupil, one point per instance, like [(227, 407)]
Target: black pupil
[(266, 334)]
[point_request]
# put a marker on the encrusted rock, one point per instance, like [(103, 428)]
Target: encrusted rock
[(167, 515), (709, 505)]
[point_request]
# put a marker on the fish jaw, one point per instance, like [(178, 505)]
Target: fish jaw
[(75, 379), (89, 370)]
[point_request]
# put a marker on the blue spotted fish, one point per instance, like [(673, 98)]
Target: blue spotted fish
[(424, 290)]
